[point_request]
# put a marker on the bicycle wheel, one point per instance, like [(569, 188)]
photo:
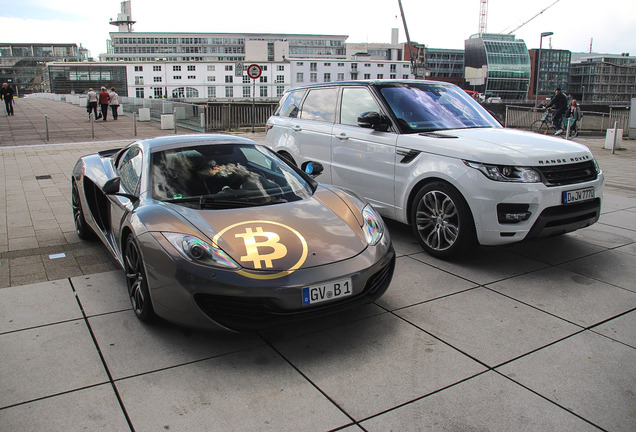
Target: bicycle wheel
[(539, 126)]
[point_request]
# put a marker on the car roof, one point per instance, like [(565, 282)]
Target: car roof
[(369, 83), (176, 141)]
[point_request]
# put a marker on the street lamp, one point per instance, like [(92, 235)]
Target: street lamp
[(536, 90), (583, 95)]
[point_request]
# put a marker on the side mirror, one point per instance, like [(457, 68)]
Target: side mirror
[(111, 187), (313, 169), (373, 120)]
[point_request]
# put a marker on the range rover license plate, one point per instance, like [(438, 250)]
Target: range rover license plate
[(329, 291), (578, 195)]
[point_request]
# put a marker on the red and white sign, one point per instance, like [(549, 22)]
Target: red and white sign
[(254, 71)]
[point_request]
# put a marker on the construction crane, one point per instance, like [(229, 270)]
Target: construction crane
[(483, 16), (526, 22)]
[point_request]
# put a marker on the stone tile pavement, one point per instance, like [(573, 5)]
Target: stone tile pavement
[(530, 337)]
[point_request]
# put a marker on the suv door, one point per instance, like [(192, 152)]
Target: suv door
[(363, 159), (311, 131)]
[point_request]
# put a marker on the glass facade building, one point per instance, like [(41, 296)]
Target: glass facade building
[(497, 65), (554, 72)]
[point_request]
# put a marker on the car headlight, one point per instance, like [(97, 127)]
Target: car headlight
[(196, 250), (372, 227), (506, 173)]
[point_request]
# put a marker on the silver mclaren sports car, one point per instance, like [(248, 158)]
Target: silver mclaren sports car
[(217, 231)]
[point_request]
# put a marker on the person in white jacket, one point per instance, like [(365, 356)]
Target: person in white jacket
[(114, 102)]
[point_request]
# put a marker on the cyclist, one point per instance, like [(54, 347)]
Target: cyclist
[(560, 104)]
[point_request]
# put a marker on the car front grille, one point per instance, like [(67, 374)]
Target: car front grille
[(558, 175)]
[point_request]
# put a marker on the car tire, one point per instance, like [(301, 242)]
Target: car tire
[(137, 281), (442, 221), (81, 228)]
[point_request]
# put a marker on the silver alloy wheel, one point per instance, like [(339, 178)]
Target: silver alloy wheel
[(78, 217), (437, 220)]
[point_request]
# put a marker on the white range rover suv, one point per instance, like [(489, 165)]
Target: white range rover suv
[(426, 154)]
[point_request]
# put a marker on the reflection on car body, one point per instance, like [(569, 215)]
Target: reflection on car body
[(218, 231)]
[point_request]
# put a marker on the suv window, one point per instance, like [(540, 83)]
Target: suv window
[(129, 169), (320, 105), (289, 106), (356, 101)]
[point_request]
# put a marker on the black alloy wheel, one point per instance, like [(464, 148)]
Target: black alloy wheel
[(442, 221), (137, 281), (81, 228)]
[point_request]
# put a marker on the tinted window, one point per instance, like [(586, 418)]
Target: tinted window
[(289, 106), (320, 105), (129, 169), (356, 101)]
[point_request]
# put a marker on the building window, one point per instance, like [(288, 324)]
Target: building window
[(211, 78), (340, 64), (327, 77), (229, 79), (246, 79), (340, 76), (191, 92), (300, 77), (192, 68), (280, 79), (280, 67), (299, 63), (381, 65), (139, 80), (139, 68), (211, 92), (176, 68), (367, 65), (192, 77), (280, 90), (380, 76), (156, 79), (262, 79), (247, 92), (393, 68), (327, 64), (392, 76), (263, 91), (176, 77), (139, 92), (158, 92), (405, 77), (367, 76), (156, 68), (211, 68), (229, 91), (313, 77), (313, 66), (229, 67)]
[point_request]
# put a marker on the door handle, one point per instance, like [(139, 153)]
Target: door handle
[(296, 128), (343, 136)]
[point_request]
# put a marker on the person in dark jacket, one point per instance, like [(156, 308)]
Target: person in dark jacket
[(560, 104), (104, 98), (7, 94)]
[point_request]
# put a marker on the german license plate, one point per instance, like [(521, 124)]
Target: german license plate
[(578, 195), (329, 291)]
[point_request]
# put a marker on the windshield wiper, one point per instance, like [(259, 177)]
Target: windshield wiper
[(211, 201)]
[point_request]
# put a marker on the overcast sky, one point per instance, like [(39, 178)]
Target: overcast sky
[(606, 25)]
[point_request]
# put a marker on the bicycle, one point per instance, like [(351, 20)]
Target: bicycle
[(544, 124)]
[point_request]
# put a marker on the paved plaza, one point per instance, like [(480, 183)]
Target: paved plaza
[(537, 336)]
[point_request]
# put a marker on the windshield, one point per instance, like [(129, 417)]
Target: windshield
[(430, 106), (217, 175)]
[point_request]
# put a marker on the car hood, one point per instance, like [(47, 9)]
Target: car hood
[(498, 146), (274, 238)]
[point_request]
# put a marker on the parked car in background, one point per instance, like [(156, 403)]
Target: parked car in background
[(426, 154), (218, 231)]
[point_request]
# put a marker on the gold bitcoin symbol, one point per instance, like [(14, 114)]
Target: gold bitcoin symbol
[(252, 246)]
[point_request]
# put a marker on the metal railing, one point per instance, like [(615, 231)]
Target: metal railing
[(523, 117), (231, 116)]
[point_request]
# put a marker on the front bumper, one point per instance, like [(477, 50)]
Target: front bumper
[(197, 296), (547, 214)]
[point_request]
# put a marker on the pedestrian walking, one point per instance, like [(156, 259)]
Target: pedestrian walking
[(7, 94), (91, 104), (113, 102), (104, 98), (572, 116), (560, 104)]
